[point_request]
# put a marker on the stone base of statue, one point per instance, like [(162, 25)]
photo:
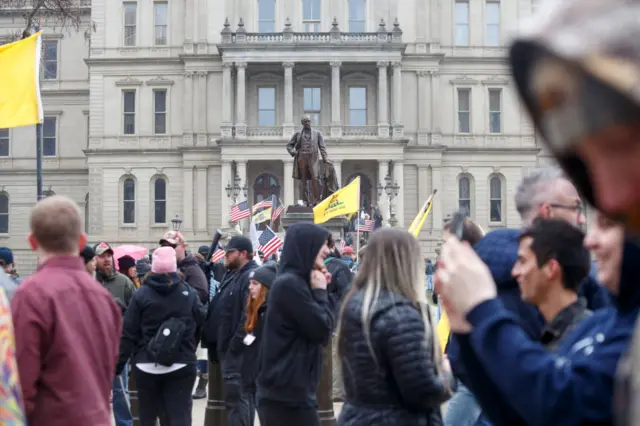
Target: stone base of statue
[(295, 214)]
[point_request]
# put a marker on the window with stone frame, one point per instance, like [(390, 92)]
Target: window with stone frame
[(464, 195), (160, 111), (461, 23), (266, 106), (129, 112), (5, 140), (312, 100), (50, 59), (464, 110), (130, 12), (129, 201), (159, 201), (492, 23), (495, 199), (161, 22), (311, 15), (495, 110), (4, 213), (267, 16), (49, 137), (357, 16), (357, 106)]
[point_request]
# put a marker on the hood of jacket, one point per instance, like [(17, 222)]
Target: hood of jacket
[(301, 246), (628, 297), (163, 283), (189, 260), (499, 251)]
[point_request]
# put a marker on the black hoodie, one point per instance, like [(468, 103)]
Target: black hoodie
[(161, 297), (299, 322)]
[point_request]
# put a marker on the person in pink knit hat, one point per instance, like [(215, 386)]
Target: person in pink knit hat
[(159, 334)]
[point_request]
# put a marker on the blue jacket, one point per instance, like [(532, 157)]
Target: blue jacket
[(499, 250), (518, 382), (596, 296)]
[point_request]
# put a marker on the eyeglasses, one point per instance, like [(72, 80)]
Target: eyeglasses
[(571, 207)]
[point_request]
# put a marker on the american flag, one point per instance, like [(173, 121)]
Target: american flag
[(278, 208), (341, 245), (240, 211), (264, 204), (217, 256), (269, 242), (365, 225)]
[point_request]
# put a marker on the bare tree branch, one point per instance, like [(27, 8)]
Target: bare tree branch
[(50, 13)]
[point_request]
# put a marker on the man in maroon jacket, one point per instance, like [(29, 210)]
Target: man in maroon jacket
[(67, 326)]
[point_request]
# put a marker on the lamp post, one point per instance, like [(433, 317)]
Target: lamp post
[(233, 191), (176, 222), (391, 189)]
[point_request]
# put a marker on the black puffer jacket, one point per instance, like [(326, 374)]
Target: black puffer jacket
[(194, 276), (250, 358), (161, 297), (403, 388), (341, 277), (298, 323)]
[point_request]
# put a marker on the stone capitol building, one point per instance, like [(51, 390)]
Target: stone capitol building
[(158, 107)]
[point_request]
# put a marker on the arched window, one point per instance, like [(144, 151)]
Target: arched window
[(264, 187), (160, 201), (366, 192), (86, 214), (495, 199), (129, 201), (4, 213), (464, 195)]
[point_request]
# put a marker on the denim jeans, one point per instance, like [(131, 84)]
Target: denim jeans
[(121, 410), (462, 409), (203, 366)]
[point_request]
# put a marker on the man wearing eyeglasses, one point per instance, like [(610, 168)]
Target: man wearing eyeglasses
[(187, 264)]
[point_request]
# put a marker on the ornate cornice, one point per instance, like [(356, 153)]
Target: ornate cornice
[(159, 81), (496, 81), (463, 80), (382, 64), (240, 65), (128, 82), (288, 64), (335, 64)]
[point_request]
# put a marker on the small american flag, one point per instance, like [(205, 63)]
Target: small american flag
[(278, 208), (217, 256), (341, 245), (240, 211), (365, 225), (269, 242), (264, 204)]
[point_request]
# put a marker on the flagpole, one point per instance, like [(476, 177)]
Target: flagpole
[(358, 226), (39, 160)]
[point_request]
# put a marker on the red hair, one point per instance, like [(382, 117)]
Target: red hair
[(252, 308)]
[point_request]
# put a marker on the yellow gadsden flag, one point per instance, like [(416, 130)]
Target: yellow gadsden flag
[(342, 202), (262, 215), (20, 103)]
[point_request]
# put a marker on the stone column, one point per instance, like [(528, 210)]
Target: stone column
[(337, 165), (225, 202), (187, 198), (287, 129), (241, 171), (201, 114), (336, 121), (436, 210), (383, 100), (434, 26), (241, 99), (398, 127), (424, 116), (187, 109), (383, 201), (435, 118), (289, 194), (225, 127), (423, 192), (398, 177), (201, 188), (189, 36)]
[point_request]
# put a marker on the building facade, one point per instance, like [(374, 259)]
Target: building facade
[(159, 109)]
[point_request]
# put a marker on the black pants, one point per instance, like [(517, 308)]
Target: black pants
[(277, 415), (169, 394)]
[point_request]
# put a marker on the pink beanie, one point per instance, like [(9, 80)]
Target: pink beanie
[(164, 261)]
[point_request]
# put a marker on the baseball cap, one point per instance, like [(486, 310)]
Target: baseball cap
[(239, 243), (347, 250), (87, 254), (203, 250), (172, 237), (6, 255), (102, 248)]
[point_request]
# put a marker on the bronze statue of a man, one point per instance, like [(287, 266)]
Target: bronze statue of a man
[(307, 148)]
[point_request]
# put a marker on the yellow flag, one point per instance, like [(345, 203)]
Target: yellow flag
[(262, 215), (342, 202), (20, 103), (443, 331)]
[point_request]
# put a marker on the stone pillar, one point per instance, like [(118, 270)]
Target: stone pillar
[(289, 194), (241, 99), (398, 127), (423, 192), (225, 202), (187, 198), (383, 100), (398, 177), (336, 121), (434, 26), (287, 129), (383, 201), (187, 109), (436, 210), (201, 113), (424, 117), (241, 171), (337, 165), (225, 127), (189, 35), (201, 188), (435, 117)]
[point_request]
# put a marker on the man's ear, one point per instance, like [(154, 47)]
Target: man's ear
[(33, 243), (552, 269)]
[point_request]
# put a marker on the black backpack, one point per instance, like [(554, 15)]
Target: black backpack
[(165, 345)]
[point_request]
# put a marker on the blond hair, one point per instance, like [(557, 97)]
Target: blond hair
[(393, 263), (56, 224)]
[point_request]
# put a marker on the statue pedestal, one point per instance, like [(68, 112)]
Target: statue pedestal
[(293, 215)]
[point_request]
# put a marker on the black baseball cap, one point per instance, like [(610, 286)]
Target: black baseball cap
[(239, 243)]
